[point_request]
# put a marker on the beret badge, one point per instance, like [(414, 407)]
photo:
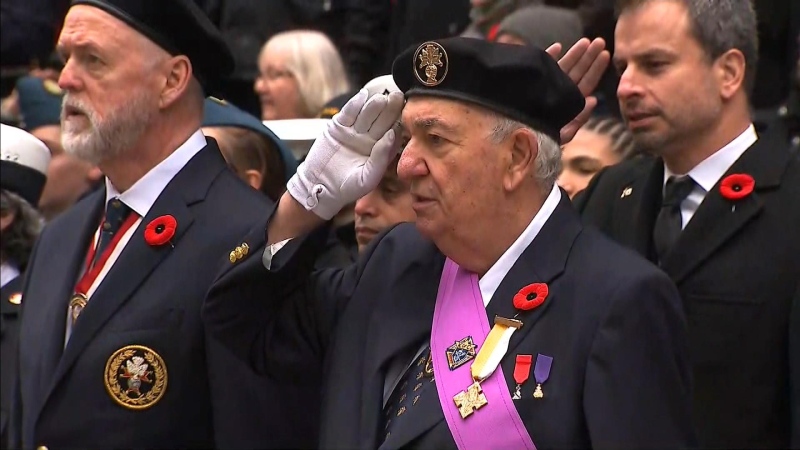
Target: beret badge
[(430, 64)]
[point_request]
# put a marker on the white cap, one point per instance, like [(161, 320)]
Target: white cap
[(298, 134), (23, 148), (23, 163)]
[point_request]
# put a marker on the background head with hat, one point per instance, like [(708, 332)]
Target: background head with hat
[(254, 152), (482, 123), (135, 79), (23, 168), (390, 202), (68, 177)]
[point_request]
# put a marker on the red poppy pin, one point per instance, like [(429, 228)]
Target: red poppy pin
[(531, 296), (160, 230), (737, 186)]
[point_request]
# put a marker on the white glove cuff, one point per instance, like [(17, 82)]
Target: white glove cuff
[(314, 197)]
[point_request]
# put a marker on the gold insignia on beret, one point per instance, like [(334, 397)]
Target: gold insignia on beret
[(626, 192), (136, 377), (52, 87), (430, 63), (217, 100), (15, 298)]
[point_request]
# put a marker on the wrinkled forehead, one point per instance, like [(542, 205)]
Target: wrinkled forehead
[(85, 25), (423, 113)]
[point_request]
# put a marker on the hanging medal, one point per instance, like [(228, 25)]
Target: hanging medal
[(495, 347), (541, 372), (522, 370)]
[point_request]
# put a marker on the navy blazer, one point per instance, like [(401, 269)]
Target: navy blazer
[(612, 323), (151, 297), (10, 297)]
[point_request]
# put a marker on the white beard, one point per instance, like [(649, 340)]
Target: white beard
[(105, 138)]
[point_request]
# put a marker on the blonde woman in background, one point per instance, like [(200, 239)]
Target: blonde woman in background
[(299, 71), (603, 141)]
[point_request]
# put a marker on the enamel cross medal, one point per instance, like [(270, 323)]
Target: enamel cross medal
[(487, 360)]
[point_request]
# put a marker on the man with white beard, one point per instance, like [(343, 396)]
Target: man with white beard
[(112, 350)]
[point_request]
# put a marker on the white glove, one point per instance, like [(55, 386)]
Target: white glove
[(350, 158)]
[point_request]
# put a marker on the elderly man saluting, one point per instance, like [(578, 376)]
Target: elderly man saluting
[(497, 320)]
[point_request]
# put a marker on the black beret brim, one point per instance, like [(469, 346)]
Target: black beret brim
[(180, 28)]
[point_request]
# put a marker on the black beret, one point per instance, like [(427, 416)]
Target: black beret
[(219, 113), (180, 27), (39, 102), (522, 83)]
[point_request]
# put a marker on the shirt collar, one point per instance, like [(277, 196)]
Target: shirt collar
[(710, 170), (144, 193), (8, 273), (490, 281)]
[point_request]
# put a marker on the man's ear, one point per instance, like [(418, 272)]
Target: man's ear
[(730, 69), (178, 78), (524, 148)]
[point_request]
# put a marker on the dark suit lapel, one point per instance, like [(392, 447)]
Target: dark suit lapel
[(139, 259), (67, 265), (718, 219), (636, 208), (542, 262), (402, 323)]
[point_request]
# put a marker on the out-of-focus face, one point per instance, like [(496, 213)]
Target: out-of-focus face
[(506, 38), (582, 157), (68, 178), (454, 171), (668, 91), (226, 146), (111, 95), (277, 88), (387, 205)]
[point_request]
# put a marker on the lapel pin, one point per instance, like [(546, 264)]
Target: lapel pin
[(15, 299), (541, 373), (626, 192), (522, 370)]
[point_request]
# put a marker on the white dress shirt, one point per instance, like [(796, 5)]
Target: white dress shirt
[(7, 273), (140, 198), (710, 170)]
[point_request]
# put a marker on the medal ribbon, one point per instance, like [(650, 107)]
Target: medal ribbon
[(491, 353), (522, 368), (91, 272)]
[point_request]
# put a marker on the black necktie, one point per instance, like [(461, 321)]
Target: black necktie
[(116, 213), (408, 392), (668, 223)]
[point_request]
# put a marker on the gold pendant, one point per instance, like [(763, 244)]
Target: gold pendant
[(537, 393), (470, 400)]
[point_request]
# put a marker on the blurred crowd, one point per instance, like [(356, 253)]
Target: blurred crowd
[(296, 64)]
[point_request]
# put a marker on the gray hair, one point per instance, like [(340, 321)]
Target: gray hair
[(17, 240), (316, 65), (548, 158), (719, 26)]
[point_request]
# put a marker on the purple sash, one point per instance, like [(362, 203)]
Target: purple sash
[(459, 313)]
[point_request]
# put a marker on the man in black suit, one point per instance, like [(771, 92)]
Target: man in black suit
[(717, 209), (112, 351), (600, 358)]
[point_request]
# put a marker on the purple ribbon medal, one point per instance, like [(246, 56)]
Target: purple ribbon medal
[(541, 372)]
